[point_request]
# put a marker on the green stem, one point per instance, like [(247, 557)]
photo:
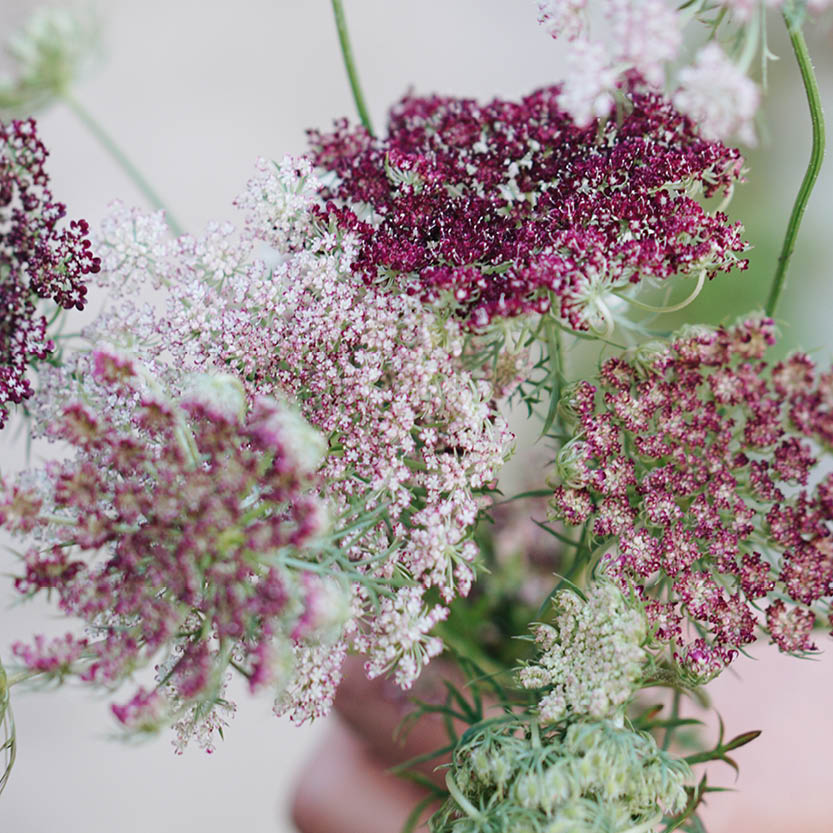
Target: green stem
[(465, 805), (811, 88), (675, 713), (350, 65), (124, 163)]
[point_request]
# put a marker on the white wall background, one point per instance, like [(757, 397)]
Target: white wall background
[(194, 91)]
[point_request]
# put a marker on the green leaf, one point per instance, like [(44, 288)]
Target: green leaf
[(742, 739), (423, 781), (554, 352), (421, 759)]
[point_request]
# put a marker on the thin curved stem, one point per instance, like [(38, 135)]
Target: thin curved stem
[(674, 307), (350, 65), (109, 144), (811, 88)]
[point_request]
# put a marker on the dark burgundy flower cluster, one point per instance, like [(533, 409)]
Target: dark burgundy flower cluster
[(38, 260), (698, 457), (164, 536), (509, 208)]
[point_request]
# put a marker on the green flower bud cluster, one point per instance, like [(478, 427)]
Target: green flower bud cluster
[(591, 656), (592, 777)]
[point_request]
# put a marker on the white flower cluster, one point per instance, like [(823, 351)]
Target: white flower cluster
[(277, 202), (586, 91), (590, 657), (202, 722)]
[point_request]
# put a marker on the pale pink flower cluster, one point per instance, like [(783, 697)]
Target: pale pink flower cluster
[(412, 434), (718, 96), (586, 93), (562, 18), (642, 36), (645, 36)]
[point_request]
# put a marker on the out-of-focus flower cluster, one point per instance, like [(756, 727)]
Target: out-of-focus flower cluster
[(508, 208), (697, 457), (39, 260), (411, 436), (591, 776), (646, 36), (179, 533), (48, 53), (590, 657)]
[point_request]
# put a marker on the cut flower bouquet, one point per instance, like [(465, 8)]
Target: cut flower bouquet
[(278, 443)]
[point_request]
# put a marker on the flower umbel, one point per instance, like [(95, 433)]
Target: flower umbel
[(590, 657), (509, 208), (39, 261), (176, 534), (696, 460), (583, 778), (49, 53)]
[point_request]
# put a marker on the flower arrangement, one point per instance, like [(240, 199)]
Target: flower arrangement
[(277, 445)]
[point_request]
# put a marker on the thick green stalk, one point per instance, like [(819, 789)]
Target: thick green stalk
[(109, 144), (350, 65), (811, 87)]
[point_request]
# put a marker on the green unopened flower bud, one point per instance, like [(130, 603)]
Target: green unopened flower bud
[(501, 771), (481, 765), (528, 790), (571, 467), (567, 412), (649, 357)]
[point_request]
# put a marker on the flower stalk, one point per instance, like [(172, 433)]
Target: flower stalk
[(811, 88), (350, 65), (110, 145)]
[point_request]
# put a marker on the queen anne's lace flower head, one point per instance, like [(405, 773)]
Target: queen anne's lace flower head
[(590, 656), (645, 36), (587, 92), (49, 53), (718, 96), (562, 18), (411, 436), (506, 209), (583, 778), (698, 458), (177, 533)]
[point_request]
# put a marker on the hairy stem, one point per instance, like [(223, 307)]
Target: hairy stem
[(811, 88), (350, 65), (109, 144)]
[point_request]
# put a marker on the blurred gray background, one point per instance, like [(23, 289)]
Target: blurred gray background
[(194, 92)]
